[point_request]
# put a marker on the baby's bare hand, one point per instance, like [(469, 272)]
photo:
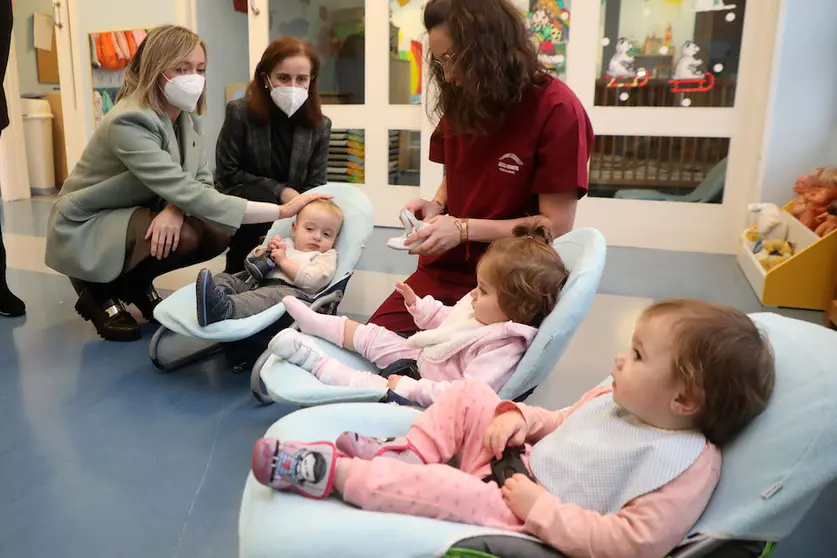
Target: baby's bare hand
[(508, 429), (278, 254)]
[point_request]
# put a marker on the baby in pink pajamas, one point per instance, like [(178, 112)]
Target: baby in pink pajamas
[(481, 338), (623, 473)]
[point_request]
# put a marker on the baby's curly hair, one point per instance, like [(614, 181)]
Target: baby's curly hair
[(527, 272)]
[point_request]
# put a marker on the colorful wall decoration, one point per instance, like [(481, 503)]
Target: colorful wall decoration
[(406, 17), (549, 23)]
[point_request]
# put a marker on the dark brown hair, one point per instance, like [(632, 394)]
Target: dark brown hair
[(527, 272), (724, 361), (258, 98), (492, 56)]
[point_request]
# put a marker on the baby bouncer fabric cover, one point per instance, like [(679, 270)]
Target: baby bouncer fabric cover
[(771, 476), (583, 251), (178, 312)]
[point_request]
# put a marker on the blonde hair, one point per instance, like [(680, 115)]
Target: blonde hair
[(527, 273), (328, 205), (164, 48)]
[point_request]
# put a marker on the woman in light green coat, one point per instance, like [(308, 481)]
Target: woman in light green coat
[(140, 202)]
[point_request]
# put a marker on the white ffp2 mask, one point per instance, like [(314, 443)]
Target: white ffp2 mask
[(289, 99), (185, 91)]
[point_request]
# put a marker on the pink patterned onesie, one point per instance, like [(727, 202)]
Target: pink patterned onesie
[(454, 346), (648, 525)]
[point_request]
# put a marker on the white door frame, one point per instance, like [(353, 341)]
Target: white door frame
[(376, 116), (713, 228), (14, 173)]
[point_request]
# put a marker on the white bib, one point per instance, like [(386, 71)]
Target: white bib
[(602, 457), (458, 330)]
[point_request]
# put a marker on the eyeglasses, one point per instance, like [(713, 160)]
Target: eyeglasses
[(444, 61)]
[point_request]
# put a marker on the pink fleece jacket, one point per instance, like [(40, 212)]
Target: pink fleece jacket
[(489, 357)]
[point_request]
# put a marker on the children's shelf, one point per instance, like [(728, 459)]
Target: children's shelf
[(805, 280)]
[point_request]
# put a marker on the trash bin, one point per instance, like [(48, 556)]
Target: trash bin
[(37, 131)]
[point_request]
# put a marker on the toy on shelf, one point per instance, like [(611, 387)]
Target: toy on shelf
[(769, 223), (830, 222), (814, 194), (771, 253)]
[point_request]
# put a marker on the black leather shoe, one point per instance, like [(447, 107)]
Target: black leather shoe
[(10, 305), (144, 299), (111, 320)]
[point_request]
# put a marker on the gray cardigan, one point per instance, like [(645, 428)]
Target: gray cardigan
[(133, 160), (243, 153)]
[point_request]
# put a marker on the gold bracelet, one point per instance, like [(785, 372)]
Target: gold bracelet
[(462, 225), (440, 205)]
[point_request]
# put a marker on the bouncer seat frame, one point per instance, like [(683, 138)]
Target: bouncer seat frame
[(772, 474), (177, 313)]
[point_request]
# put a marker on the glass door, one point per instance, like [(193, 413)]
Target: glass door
[(372, 83), (668, 85)]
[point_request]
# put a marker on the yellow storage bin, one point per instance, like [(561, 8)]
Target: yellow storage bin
[(805, 280)]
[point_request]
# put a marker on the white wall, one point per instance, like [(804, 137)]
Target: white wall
[(27, 65), (225, 33), (802, 122)]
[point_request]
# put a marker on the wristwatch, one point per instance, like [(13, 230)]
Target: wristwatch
[(462, 225)]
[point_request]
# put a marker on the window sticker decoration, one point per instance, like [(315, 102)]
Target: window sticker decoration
[(549, 24), (681, 50)]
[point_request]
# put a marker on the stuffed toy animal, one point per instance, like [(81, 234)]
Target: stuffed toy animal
[(769, 222), (773, 253), (815, 191), (829, 222)]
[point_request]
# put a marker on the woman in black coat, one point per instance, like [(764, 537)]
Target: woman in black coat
[(274, 142)]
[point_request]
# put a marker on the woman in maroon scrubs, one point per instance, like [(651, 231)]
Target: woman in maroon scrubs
[(515, 143)]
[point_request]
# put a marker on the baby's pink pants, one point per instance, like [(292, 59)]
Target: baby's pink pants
[(453, 426)]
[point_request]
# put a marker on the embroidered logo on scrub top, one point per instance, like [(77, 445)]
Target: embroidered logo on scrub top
[(509, 163)]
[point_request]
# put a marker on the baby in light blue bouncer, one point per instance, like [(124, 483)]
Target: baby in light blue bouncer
[(299, 266)]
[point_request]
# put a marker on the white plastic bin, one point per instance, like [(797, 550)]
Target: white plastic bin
[(37, 130)]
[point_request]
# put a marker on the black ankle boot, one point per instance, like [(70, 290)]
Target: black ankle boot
[(145, 299), (10, 305), (112, 321)]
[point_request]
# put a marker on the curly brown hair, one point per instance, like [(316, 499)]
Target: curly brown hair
[(527, 273), (723, 360), (493, 57), (257, 97)]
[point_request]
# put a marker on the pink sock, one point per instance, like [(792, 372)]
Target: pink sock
[(330, 328), (335, 373)]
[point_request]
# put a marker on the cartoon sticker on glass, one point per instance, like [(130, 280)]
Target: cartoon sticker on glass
[(621, 70), (549, 23), (688, 76)]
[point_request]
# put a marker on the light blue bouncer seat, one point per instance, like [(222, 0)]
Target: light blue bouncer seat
[(772, 474), (177, 313), (583, 251)]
